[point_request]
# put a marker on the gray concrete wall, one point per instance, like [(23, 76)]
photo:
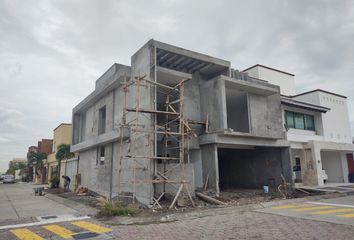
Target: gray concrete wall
[(213, 103), (143, 144), (192, 109), (94, 176), (111, 75), (266, 115)]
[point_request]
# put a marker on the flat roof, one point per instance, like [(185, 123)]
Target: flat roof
[(60, 125), (319, 90), (270, 68), (189, 53), (295, 103), (183, 60)]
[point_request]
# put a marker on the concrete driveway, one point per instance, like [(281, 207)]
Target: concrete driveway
[(18, 204)]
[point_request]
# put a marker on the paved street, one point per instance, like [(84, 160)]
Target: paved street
[(236, 225), (277, 220), (18, 203)]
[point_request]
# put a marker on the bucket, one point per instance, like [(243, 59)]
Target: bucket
[(266, 189)]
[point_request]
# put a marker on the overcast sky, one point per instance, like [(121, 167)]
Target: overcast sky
[(51, 52)]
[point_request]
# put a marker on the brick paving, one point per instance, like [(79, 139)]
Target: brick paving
[(243, 225), (232, 225)]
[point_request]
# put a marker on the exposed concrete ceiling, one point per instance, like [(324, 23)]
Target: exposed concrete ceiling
[(185, 63)]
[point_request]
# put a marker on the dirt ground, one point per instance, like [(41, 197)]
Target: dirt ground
[(90, 199), (238, 197), (232, 197)]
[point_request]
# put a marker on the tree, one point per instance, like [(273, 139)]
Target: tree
[(63, 153), (15, 167), (38, 157)]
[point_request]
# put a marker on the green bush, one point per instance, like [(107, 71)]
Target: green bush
[(110, 208), (54, 182)]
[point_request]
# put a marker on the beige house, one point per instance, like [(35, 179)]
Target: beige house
[(61, 135)]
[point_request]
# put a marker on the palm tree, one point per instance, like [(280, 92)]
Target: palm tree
[(38, 157)]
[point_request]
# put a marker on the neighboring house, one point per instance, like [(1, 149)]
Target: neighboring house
[(43, 146), (333, 151), (177, 118), (61, 135), (318, 128)]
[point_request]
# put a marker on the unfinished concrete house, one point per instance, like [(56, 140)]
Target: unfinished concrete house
[(176, 121)]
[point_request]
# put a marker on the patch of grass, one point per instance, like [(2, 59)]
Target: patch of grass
[(110, 208)]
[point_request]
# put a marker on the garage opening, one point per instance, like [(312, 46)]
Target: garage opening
[(249, 168), (332, 166), (237, 110)]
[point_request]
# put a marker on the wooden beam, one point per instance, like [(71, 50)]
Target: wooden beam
[(150, 111), (209, 199)]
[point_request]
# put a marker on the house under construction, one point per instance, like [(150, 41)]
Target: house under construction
[(175, 121)]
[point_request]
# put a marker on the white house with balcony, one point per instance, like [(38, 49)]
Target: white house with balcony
[(316, 123)]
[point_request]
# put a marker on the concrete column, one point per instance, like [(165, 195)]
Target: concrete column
[(316, 157), (313, 172), (286, 164), (211, 166), (345, 170)]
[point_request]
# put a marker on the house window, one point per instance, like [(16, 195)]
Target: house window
[(289, 119), (102, 120), (100, 155), (299, 121), (309, 122)]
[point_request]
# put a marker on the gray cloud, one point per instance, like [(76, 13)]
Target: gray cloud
[(53, 51)]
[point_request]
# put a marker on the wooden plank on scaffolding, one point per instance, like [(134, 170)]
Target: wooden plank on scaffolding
[(160, 181), (189, 195), (160, 132), (149, 111), (152, 157), (177, 195), (157, 200), (160, 84)]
